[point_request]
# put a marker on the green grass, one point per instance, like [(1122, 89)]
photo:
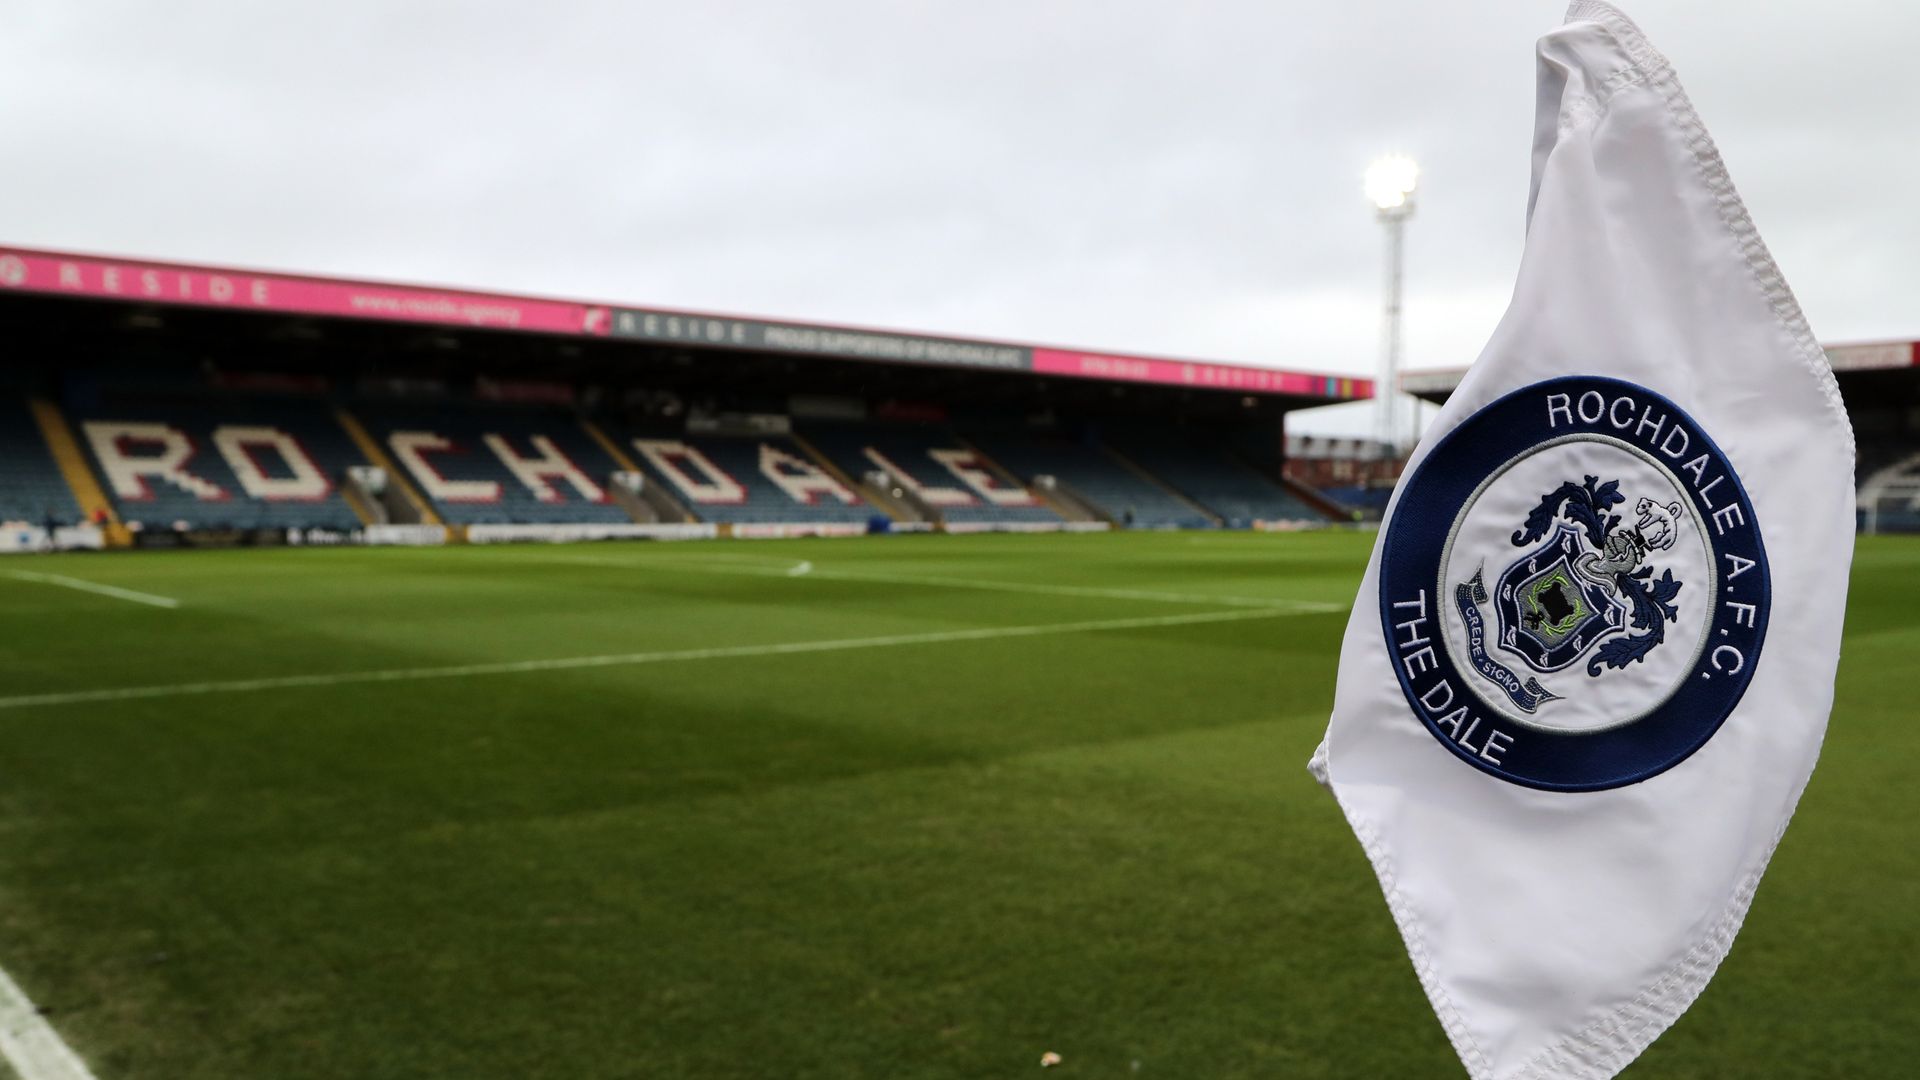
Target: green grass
[(912, 861)]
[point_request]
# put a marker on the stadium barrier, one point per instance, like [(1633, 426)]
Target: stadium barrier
[(1027, 526), (1290, 525), (405, 535), (28, 539), (371, 535), (766, 531), (575, 532)]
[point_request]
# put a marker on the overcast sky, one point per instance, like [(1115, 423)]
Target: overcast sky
[(1170, 178)]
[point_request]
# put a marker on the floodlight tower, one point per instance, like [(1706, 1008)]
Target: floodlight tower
[(1390, 183)]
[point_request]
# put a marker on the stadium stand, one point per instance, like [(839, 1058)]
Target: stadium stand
[(1372, 499), (219, 406), (1879, 450), (31, 487), (935, 470), (222, 463), (1356, 474), (1888, 499), (1211, 475), (756, 480), (498, 464), (1093, 475)]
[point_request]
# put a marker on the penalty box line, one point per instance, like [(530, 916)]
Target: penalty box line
[(577, 663)]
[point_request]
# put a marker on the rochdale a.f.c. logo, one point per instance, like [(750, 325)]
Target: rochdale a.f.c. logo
[(1573, 587)]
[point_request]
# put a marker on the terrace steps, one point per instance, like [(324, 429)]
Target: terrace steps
[(652, 503), (75, 470), (888, 505), (371, 447)]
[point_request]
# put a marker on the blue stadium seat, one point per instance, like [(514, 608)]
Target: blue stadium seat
[(226, 463), (1360, 498), (31, 487), (946, 473), (498, 464), (1212, 476), (1094, 475)]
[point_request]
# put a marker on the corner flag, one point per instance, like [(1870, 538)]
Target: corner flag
[(1593, 655)]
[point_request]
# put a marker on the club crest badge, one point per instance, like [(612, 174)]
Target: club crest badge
[(1573, 586)]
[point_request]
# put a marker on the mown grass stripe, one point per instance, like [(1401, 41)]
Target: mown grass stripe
[(789, 568), (571, 663)]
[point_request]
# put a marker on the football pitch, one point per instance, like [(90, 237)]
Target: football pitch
[(906, 807)]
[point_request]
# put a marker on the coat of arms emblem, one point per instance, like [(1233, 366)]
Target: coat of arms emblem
[(1584, 589)]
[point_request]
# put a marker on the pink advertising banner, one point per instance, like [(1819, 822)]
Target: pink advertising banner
[(1203, 375), (58, 274), (1865, 356), (74, 275)]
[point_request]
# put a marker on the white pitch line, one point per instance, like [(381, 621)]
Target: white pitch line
[(1090, 591), (800, 569), (689, 562), (94, 587), (572, 663), (29, 1043)]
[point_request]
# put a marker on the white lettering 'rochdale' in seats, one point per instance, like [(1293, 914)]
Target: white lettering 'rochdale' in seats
[(240, 444), (412, 448), (535, 470), (128, 472), (714, 486), (967, 465), (931, 494), (802, 480)]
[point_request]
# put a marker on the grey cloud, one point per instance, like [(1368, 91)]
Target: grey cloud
[(1169, 178)]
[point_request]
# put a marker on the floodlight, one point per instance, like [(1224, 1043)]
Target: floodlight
[(1390, 182)]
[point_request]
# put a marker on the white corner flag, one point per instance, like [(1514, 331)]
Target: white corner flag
[(1593, 655)]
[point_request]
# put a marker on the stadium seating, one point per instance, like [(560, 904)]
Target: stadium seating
[(1214, 477), (222, 463), (31, 487), (498, 464), (1360, 498), (935, 468), (1888, 498), (1092, 474), (235, 461), (746, 480)]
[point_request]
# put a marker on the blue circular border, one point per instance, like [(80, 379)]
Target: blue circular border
[(1415, 542)]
